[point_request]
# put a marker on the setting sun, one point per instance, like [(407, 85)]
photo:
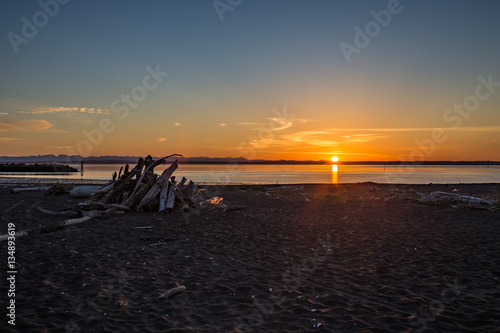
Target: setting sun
[(335, 159)]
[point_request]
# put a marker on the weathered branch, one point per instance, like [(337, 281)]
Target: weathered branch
[(160, 183), (170, 197), (70, 211), (53, 226), (172, 292), (163, 198), (89, 205)]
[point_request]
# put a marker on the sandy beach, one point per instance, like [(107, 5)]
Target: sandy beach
[(301, 258)]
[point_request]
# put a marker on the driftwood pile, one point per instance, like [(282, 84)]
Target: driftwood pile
[(142, 190), (139, 189)]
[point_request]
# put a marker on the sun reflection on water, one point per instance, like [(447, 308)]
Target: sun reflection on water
[(335, 174)]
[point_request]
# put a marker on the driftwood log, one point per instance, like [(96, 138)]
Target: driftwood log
[(30, 189), (60, 212), (469, 201), (59, 225)]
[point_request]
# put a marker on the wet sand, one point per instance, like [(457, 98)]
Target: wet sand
[(300, 258)]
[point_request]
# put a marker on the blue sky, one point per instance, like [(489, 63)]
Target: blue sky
[(226, 77)]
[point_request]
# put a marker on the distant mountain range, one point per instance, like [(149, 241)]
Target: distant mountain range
[(76, 159)]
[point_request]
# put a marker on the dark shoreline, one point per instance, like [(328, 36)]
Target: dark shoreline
[(351, 257), (284, 162)]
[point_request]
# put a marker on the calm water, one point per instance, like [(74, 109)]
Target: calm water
[(289, 174)]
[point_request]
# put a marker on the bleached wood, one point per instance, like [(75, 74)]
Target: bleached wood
[(163, 198), (162, 181), (170, 198)]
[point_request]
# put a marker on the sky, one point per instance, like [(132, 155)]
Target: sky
[(265, 79)]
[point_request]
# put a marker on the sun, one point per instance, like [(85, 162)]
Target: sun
[(335, 159)]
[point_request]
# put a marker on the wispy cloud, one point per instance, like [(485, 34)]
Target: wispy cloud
[(11, 139), (420, 129), (319, 138), (283, 123), (480, 129), (28, 107), (161, 140), (362, 138), (222, 125), (297, 139), (340, 137), (177, 124), (253, 124), (314, 138), (64, 109), (27, 125)]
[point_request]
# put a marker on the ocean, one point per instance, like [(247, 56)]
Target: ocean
[(283, 174)]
